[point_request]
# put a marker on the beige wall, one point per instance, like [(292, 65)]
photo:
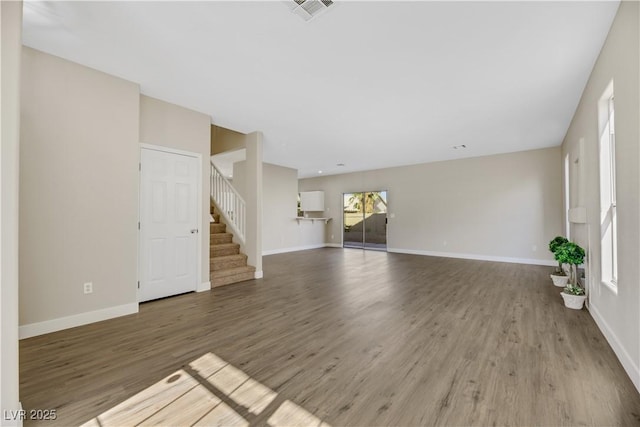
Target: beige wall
[(169, 125), (78, 194), (248, 179), (280, 190), (253, 197), (281, 232), (223, 139), (504, 207), (10, 29), (617, 315)]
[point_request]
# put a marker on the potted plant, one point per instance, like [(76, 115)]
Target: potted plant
[(572, 254), (573, 296), (559, 277)]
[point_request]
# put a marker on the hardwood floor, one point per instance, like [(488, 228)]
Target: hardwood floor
[(344, 337)]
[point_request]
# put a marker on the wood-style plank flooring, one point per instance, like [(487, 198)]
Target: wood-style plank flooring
[(341, 337)]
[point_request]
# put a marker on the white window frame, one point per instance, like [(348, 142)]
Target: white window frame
[(567, 196), (608, 205)]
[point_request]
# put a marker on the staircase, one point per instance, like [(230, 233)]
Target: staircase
[(227, 264)]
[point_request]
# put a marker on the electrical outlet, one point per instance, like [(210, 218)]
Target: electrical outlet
[(534, 248), (332, 237), (88, 287)]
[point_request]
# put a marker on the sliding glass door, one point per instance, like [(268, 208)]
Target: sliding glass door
[(365, 220), (353, 227)]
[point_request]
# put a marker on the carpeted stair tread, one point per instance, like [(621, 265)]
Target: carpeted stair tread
[(215, 227), (228, 261), (224, 249), (220, 238), (232, 275), (227, 265), (232, 271)]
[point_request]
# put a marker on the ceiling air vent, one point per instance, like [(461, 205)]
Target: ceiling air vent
[(309, 9)]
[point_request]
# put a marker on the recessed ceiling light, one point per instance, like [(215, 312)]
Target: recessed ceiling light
[(459, 147), (319, 171)]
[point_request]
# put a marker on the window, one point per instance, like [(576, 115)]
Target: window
[(608, 214), (567, 199)]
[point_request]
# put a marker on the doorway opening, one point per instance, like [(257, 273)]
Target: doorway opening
[(364, 223)]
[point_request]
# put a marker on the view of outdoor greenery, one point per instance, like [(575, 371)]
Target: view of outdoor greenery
[(365, 216)]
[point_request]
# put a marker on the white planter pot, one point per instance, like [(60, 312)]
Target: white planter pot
[(573, 301), (560, 281)]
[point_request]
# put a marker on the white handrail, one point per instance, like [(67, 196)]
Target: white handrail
[(228, 203)]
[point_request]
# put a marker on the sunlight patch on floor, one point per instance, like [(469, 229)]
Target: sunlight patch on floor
[(291, 415), (216, 393)]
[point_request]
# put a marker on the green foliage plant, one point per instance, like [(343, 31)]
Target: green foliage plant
[(553, 247), (573, 290), (572, 254)]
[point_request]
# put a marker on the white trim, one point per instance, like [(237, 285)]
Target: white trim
[(627, 361), (610, 285), (40, 328), (171, 150), (13, 417), (204, 286), (294, 249), (567, 195), (578, 215), (199, 207), (427, 253), (475, 257), (258, 274)]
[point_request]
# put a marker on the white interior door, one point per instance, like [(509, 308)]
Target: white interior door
[(168, 223)]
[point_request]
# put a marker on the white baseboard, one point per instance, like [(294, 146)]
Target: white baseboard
[(628, 363), (206, 286), (294, 249), (475, 257), (258, 274), (53, 325), (12, 417), (550, 263)]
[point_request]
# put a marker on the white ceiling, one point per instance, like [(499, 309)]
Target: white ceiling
[(367, 84)]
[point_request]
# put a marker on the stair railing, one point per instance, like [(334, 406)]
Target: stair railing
[(228, 203)]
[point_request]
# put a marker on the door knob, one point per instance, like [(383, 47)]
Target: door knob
[(194, 231)]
